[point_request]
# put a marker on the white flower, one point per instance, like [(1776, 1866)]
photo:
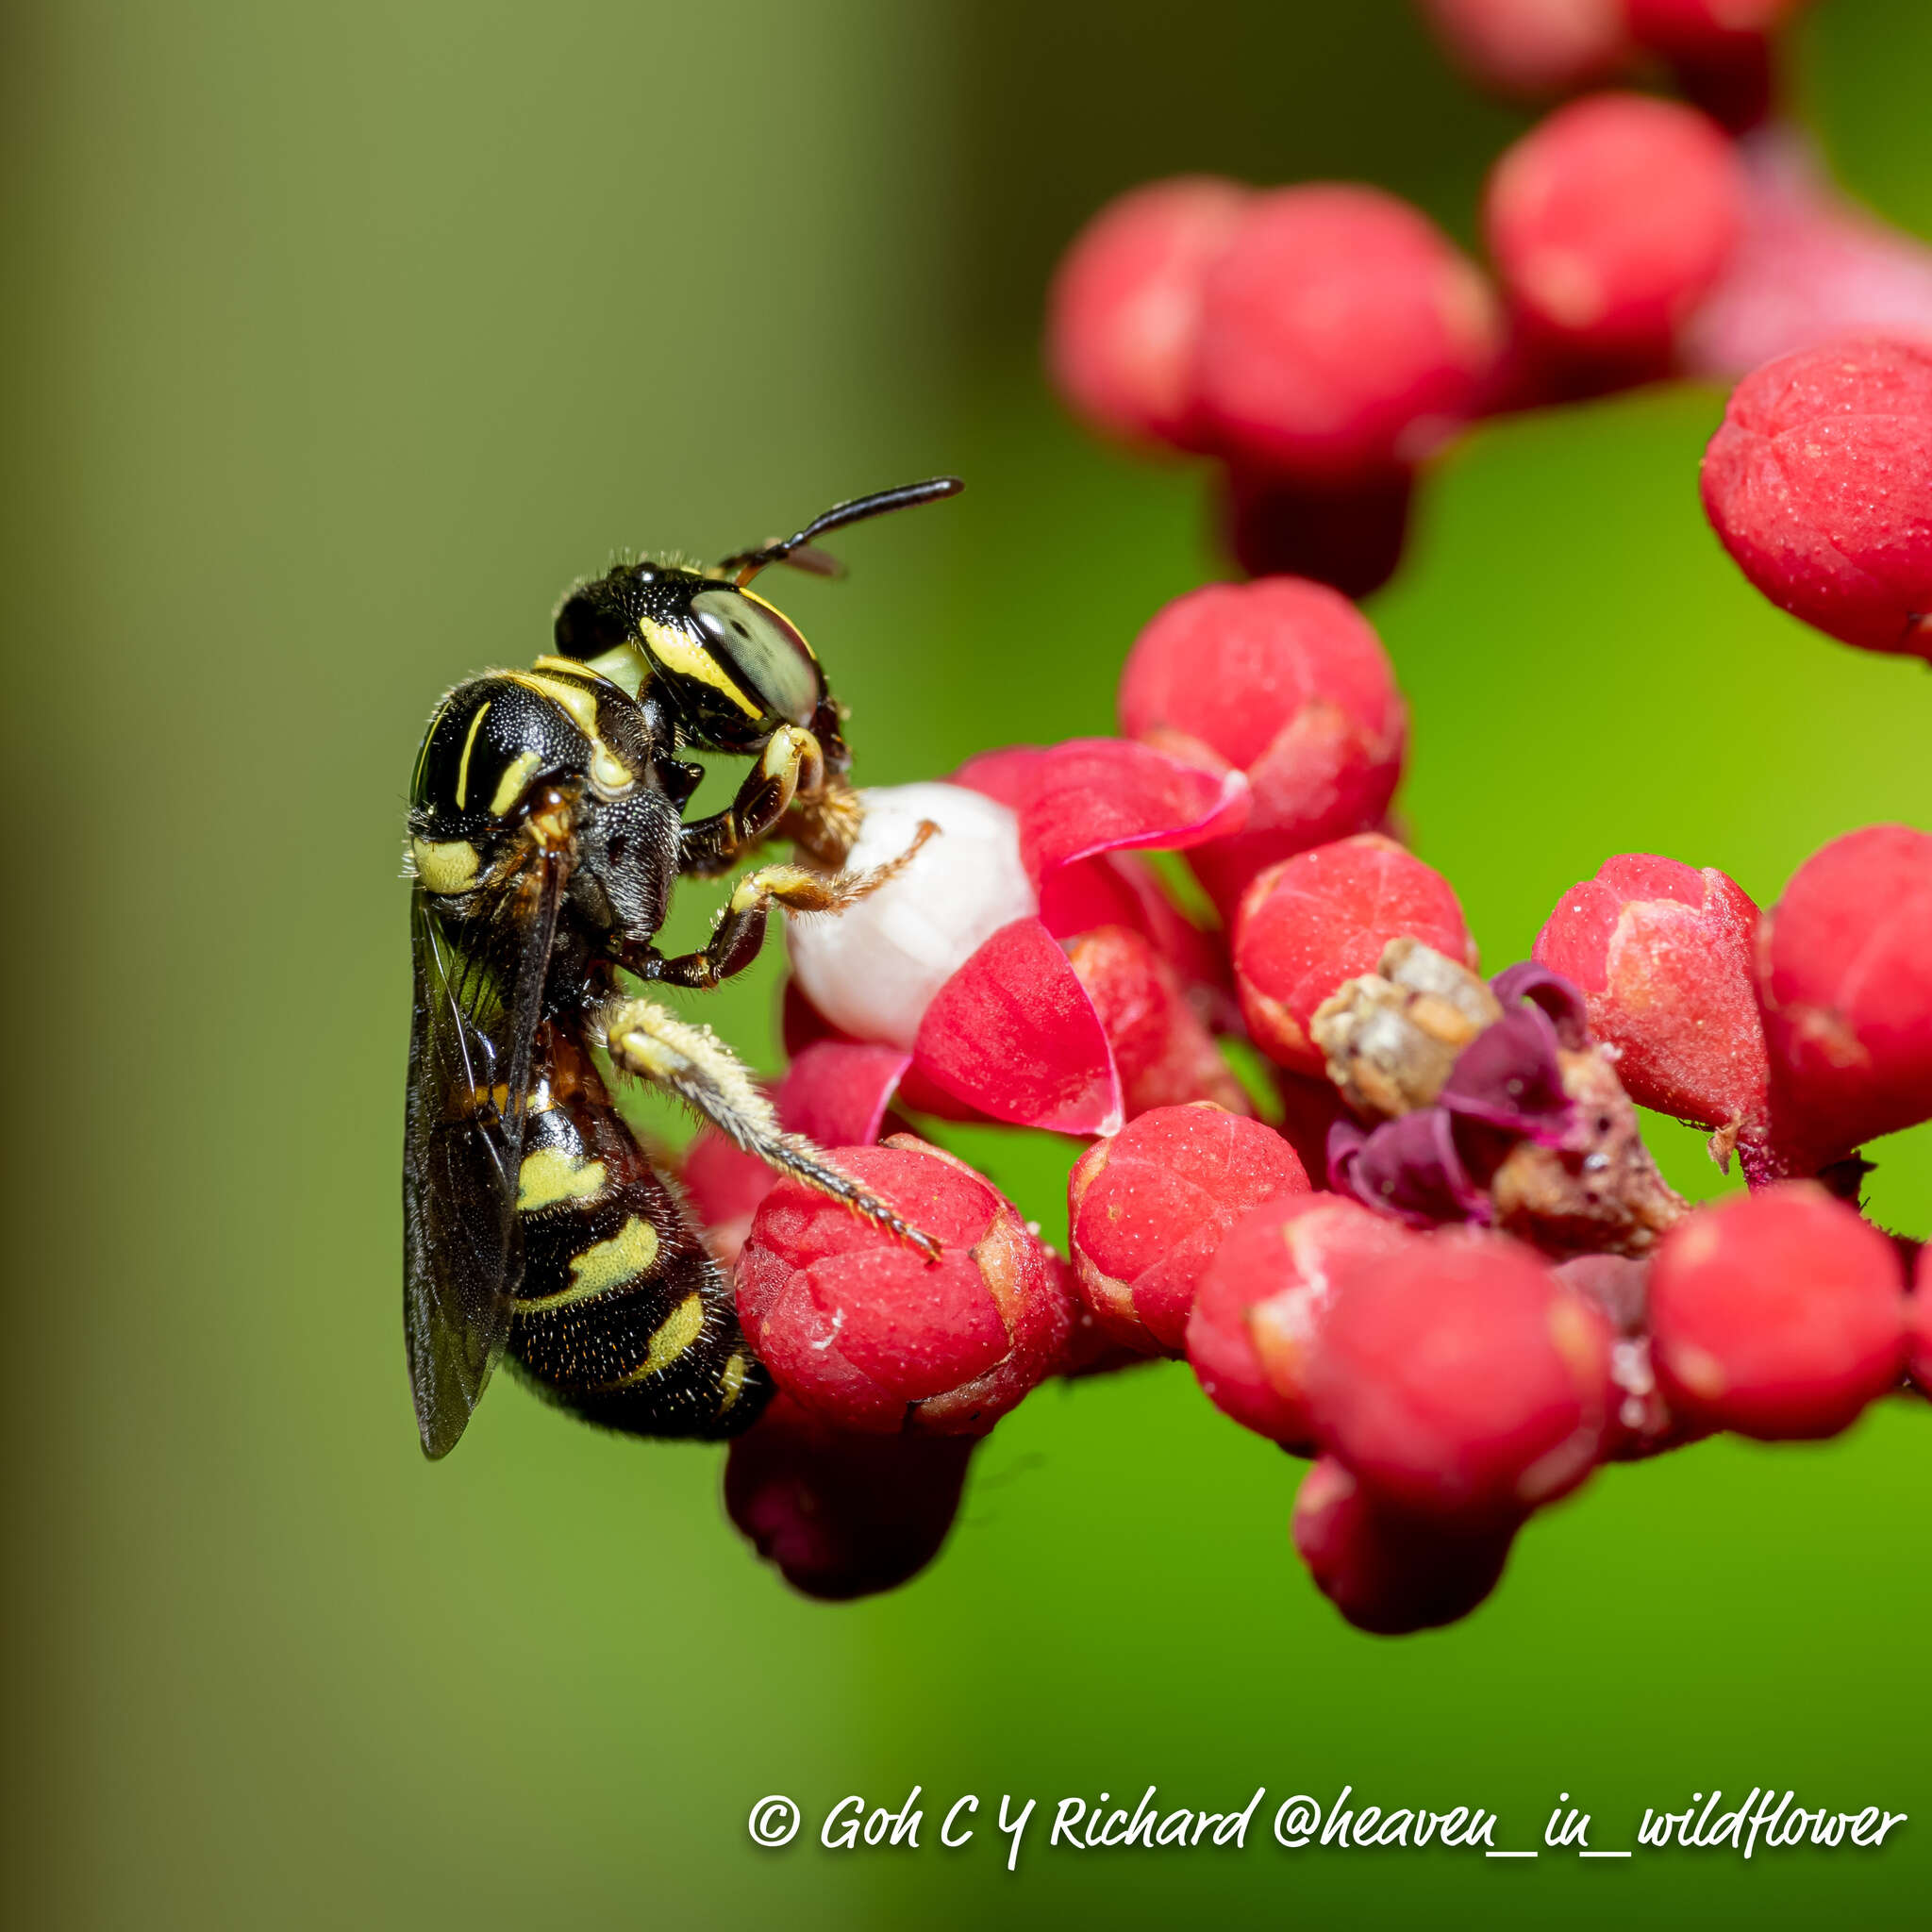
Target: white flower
[(872, 969)]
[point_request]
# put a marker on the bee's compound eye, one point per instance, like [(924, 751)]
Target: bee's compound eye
[(761, 651)]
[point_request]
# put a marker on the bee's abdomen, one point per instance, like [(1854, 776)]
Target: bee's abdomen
[(622, 1315)]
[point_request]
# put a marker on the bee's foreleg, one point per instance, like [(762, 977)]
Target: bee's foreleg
[(650, 1042), (791, 765)]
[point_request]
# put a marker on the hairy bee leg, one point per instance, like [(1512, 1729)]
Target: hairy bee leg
[(792, 763), (742, 925), (650, 1042)]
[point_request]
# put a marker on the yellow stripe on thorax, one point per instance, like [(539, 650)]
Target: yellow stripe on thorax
[(608, 772), (463, 763), (516, 775)]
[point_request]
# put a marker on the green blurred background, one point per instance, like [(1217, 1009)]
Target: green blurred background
[(340, 338)]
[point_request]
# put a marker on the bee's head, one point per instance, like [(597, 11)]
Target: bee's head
[(731, 666)]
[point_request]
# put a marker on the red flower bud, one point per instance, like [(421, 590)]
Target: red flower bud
[(1919, 1323), (866, 1333), (1285, 680), (1697, 30), (1147, 1209), (1665, 956), (1262, 1302), (1163, 1054), (1459, 1381), (1530, 47), (1818, 483), (1391, 1574), (1341, 335), (1844, 977), (1811, 267), (1610, 221), (1324, 916), (1124, 310), (1777, 1314), (843, 1515)]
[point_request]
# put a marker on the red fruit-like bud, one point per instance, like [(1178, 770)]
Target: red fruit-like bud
[(1262, 1302), (1819, 485), (1126, 306), (1285, 680), (1459, 1381), (1720, 50), (1919, 1324), (1698, 29), (1341, 335), (1530, 47), (1665, 956), (1611, 220), (1147, 1209), (1810, 268), (842, 1515), (1844, 977), (1391, 1574), (1324, 916), (866, 1333), (1778, 1314), (1163, 1054), (1347, 535)]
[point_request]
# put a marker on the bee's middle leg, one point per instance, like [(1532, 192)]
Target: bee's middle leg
[(741, 929)]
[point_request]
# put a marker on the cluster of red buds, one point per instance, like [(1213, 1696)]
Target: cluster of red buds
[(1427, 1247), (1319, 343)]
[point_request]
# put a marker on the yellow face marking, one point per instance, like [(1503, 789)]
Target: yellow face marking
[(551, 1174), (610, 774), (445, 866), (688, 659), (510, 788), (732, 1381), (470, 745)]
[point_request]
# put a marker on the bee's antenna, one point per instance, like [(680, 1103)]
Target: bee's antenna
[(798, 552)]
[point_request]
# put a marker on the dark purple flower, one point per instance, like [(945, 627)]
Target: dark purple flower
[(1552, 995), (1408, 1168), (1509, 1078)]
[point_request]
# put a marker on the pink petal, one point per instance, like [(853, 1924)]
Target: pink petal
[(1118, 888), (1101, 794), (836, 1091), (1013, 1033)]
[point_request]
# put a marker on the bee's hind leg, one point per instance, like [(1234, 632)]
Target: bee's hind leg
[(650, 1042)]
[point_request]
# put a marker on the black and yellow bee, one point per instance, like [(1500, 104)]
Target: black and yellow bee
[(546, 831)]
